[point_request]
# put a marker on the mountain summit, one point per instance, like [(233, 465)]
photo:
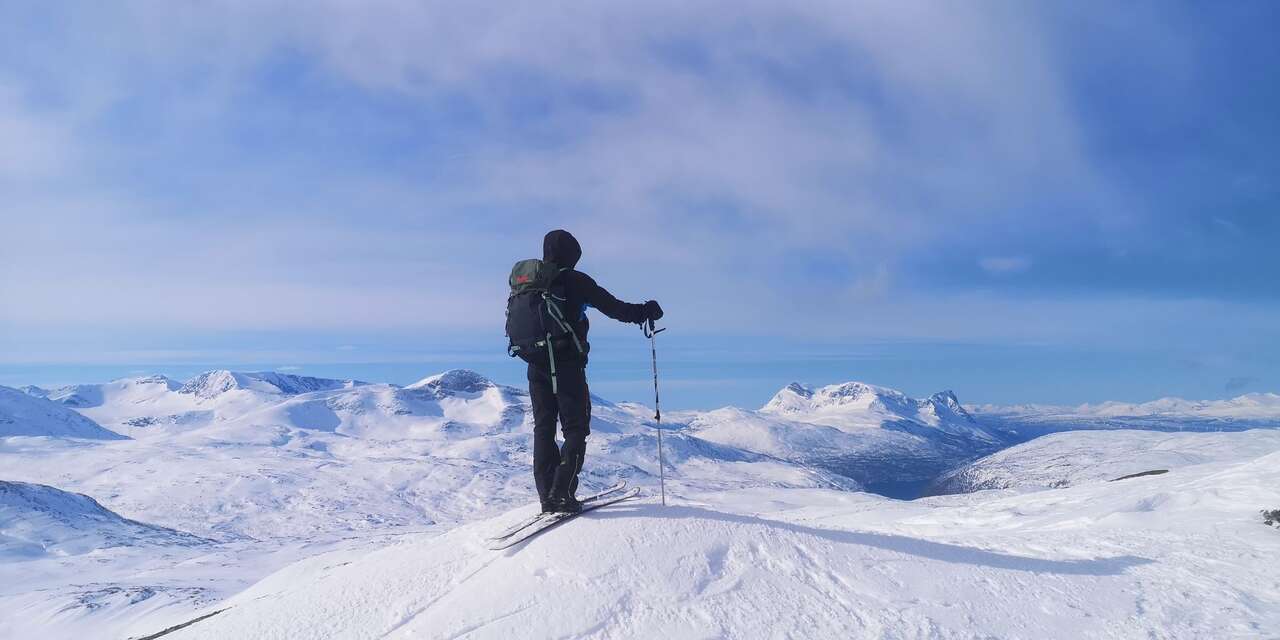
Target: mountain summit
[(454, 381), (212, 384), (858, 404)]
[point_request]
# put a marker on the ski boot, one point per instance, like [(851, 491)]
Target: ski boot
[(566, 504)]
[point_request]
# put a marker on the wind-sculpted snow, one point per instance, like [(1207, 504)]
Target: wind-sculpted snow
[(24, 414), (1066, 459), (1180, 555)]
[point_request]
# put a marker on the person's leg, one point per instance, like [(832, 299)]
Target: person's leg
[(575, 423), (546, 455)]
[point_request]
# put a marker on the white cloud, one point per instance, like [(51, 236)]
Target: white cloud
[(953, 113), (35, 145), (1004, 265)]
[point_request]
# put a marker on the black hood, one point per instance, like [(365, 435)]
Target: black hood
[(562, 248)]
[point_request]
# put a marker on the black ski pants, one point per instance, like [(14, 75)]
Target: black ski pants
[(555, 469)]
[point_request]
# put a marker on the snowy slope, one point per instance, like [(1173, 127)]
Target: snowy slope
[(126, 390), (1066, 459), (37, 520), (1180, 555), (22, 414)]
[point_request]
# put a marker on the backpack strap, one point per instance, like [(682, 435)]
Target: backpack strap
[(556, 314)]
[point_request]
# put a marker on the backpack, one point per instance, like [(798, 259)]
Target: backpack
[(535, 315)]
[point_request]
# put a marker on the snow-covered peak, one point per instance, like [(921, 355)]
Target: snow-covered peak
[(796, 398), (156, 380), (138, 389), (947, 402), (212, 384), (454, 381), (33, 390), (793, 398), (857, 406), (22, 414)]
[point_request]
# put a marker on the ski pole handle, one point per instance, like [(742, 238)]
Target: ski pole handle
[(650, 328)]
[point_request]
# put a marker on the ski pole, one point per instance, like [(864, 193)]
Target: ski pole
[(651, 333)]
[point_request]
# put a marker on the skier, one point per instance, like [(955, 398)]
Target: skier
[(558, 376)]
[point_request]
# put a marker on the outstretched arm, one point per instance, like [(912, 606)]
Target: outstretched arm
[(597, 297)]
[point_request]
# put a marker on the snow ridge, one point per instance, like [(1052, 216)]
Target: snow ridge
[(37, 520), (1076, 457), (454, 381), (211, 384), (23, 414)]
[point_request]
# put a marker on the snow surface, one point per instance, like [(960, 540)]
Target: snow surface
[(23, 414), (767, 535), (1181, 555), (1074, 457), (37, 520)]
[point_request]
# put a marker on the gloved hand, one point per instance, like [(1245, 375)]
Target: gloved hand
[(652, 311)]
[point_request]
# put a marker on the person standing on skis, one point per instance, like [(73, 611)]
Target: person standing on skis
[(547, 326)]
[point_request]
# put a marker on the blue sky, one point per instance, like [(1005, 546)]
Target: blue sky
[(1048, 202)]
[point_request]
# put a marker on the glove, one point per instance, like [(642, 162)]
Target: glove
[(652, 311)]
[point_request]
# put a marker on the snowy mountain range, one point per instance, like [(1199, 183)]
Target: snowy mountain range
[(1250, 406), (1019, 423), (851, 434), (201, 488), (886, 441)]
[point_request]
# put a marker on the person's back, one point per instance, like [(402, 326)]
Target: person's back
[(567, 397)]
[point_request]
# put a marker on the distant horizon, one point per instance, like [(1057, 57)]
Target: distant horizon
[(692, 384)]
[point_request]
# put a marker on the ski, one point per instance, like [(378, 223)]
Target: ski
[(553, 519), (517, 527)]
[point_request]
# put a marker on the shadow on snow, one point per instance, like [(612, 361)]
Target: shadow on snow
[(940, 551)]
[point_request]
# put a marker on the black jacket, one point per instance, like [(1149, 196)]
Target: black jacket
[(580, 290)]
